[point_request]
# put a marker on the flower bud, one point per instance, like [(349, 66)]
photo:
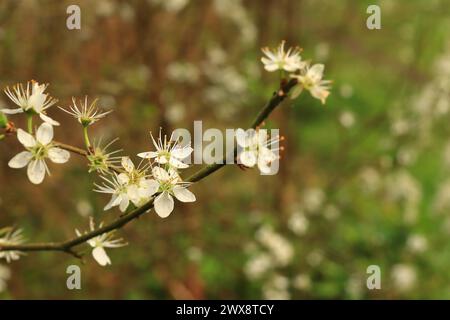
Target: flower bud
[(3, 120)]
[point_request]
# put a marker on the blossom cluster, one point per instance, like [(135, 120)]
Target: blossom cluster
[(309, 77), (157, 174), (156, 179)]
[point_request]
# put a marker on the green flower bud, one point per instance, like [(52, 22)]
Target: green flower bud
[(3, 120)]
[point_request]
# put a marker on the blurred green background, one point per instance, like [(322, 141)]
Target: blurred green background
[(364, 180)]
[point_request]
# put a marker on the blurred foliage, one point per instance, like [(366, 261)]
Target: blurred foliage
[(364, 180)]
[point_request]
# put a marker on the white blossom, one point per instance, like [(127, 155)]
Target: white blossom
[(298, 223), (86, 114), (168, 152), (279, 59), (417, 243), (258, 265), (311, 79), (276, 288), (31, 100), (280, 248), (37, 150), (170, 185), (404, 276), (100, 242), (132, 185), (256, 151), (11, 236), (302, 282)]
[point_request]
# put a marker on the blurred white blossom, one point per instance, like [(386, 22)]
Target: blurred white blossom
[(276, 288), (404, 277), (280, 248), (280, 59), (417, 243), (347, 119), (5, 274), (298, 223)]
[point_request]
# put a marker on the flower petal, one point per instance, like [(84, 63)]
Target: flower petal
[(316, 72), (271, 67), (115, 200), (248, 158), (100, 256), (12, 111), (48, 120), (36, 171), (160, 174), (25, 138), (124, 203), (20, 160), (58, 155), (183, 194), (181, 152), (241, 138), (123, 178), (148, 188), (177, 163), (264, 166), (44, 133), (127, 164), (148, 155), (164, 204), (296, 91)]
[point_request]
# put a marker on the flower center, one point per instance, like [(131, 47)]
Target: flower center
[(39, 151)]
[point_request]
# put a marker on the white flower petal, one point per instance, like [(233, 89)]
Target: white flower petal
[(296, 91), (148, 188), (316, 72), (181, 152), (124, 203), (161, 159), (123, 178), (48, 120), (127, 164), (44, 133), (264, 166), (11, 111), (248, 158), (36, 171), (25, 138), (160, 174), (20, 160), (271, 67), (148, 155), (58, 155), (115, 200), (320, 93), (100, 256), (183, 194), (241, 138), (164, 204), (177, 163)]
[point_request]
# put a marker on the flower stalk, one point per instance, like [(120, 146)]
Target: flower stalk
[(86, 137)]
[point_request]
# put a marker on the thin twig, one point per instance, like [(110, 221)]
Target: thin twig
[(67, 246)]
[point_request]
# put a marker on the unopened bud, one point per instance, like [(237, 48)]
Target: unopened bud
[(3, 120)]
